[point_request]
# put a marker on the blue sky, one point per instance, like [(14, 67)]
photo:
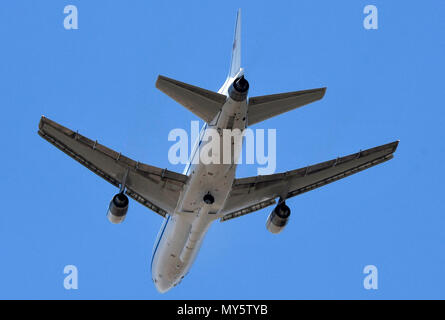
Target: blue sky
[(383, 85)]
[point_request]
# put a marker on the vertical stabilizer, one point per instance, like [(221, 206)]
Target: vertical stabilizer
[(235, 64)]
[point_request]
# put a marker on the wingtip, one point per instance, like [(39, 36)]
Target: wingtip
[(394, 145), (159, 78), (42, 119), (162, 80)]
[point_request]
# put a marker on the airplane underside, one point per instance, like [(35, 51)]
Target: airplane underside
[(206, 192)]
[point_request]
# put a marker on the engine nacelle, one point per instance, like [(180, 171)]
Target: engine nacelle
[(118, 208), (239, 88), (278, 218)]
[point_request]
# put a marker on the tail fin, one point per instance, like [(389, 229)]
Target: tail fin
[(235, 64)]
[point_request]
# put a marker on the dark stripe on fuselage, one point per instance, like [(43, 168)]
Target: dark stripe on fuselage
[(159, 241), (192, 156)]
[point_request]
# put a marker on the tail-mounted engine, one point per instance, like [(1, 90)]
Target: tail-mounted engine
[(278, 218), (118, 208), (239, 88)]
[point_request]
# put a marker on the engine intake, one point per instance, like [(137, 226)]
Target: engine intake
[(278, 218), (118, 208), (239, 88)]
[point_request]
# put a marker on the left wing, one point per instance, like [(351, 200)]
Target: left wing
[(157, 189), (254, 193)]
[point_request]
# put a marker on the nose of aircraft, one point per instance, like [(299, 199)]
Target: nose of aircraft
[(162, 285)]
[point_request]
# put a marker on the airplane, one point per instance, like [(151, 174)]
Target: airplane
[(190, 202)]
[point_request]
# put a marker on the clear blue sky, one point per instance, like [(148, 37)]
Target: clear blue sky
[(383, 85)]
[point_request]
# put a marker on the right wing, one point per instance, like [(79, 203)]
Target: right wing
[(204, 103), (254, 193), (265, 107), (157, 189)]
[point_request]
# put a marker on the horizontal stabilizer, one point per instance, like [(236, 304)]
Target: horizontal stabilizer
[(265, 107), (203, 103)]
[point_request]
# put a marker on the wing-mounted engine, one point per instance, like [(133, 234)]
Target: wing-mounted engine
[(118, 208), (278, 218)]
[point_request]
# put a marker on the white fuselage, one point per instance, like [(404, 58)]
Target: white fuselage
[(182, 232)]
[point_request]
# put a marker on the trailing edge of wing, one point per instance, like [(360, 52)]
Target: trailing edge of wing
[(204, 103), (265, 107)]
